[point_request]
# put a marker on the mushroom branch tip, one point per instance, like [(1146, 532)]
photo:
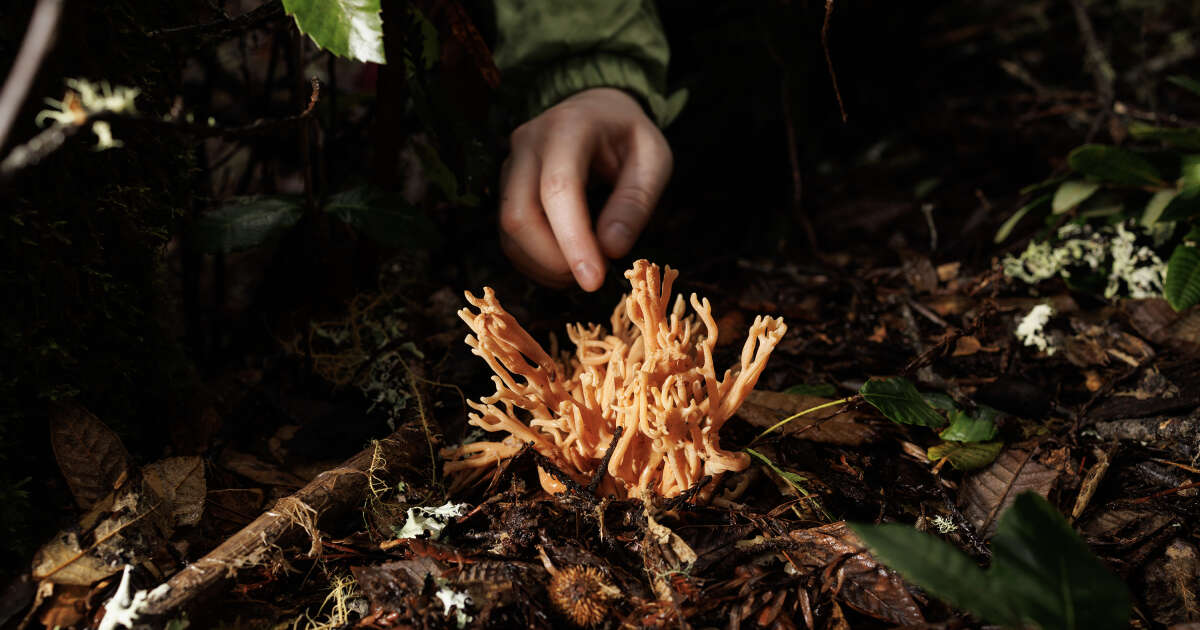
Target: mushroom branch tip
[(651, 374)]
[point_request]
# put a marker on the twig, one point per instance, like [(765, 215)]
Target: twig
[(1098, 65), (608, 453), (829, 59), (226, 25), (38, 38), (50, 140)]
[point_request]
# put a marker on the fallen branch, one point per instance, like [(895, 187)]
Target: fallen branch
[(327, 496), (47, 142)]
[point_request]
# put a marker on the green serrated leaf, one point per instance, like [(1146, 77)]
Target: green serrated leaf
[(1114, 165), (346, 28), (1071, 193), (1179, 137), (1007, 228), (1182, 286), (965, 427), (384, 217), (1049, 573), (823, 390), (1154, 208), (1186, 83), (899, 401), (965, 455), (939, 568), (245, 222)]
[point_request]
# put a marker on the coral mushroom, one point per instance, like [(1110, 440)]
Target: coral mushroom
[(652, 376)]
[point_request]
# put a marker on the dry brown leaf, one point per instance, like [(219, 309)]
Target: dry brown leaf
[(833, 551), (1125, 526), (966, 346), (1150, 317), (764, 409), (65, 607), (987, 493), (1171, 591), (62, 561), (257, 470), (1184, 335), (948, 271), (179, 482), (90, 455), (1091, 482), (664, 554)]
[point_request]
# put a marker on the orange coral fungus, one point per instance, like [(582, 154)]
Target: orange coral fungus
[(652, 375)]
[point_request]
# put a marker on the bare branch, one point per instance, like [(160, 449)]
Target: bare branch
[(38, 37)]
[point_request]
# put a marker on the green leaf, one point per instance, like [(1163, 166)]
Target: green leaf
[(823, 390), (1071, 193), (1186, 83), (1182, 286), (1156, 205), (965, 455), (899, 401), (1049, 573), (1016, 217), (385, 217), (1114, 165), (1180, 137), (346, 28), (245, 222), (965, 427), (937, 567)]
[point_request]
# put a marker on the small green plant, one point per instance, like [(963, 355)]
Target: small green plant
[(1118, 214), (1042, 573)]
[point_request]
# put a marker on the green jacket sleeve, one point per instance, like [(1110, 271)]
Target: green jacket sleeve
[(547, 50)]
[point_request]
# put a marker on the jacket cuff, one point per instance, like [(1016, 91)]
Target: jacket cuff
[(576, 74)]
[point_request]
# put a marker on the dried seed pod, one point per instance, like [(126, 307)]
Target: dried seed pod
[(582, 594)]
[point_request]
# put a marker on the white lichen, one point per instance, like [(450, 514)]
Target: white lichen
[(429, 520), (1031, 330), (455, 601), (1132, 270), (943, 524), (86, 99)]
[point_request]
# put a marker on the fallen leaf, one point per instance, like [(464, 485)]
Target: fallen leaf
[(1171, 594), (948, 271), (90, 455), (989, 492), (179, 482), (257, 470), (966, 346), (664, 554), (66, 606), (879, 335), (765, 409), (833, 551)]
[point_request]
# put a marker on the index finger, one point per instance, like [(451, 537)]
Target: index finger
[(565, 165)]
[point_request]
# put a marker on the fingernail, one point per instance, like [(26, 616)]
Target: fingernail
[(587, 275), (619, 236)]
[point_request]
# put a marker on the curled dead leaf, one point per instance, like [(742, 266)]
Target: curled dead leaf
[(90, 455)]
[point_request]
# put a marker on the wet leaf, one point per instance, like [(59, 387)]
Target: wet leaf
[(965, 455), (90, 455), (899, 401), (1071, 193), (979, 426), (179, 482), (987, 493), (1114, 165), (1182, 287), (939, 568), (383, 217), (1041, 571), (1050, 574), (245, 222), (346, 28)]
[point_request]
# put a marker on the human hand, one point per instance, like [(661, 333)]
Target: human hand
[(545, 226)]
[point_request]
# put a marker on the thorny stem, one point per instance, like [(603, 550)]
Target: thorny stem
[(788, 419)]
